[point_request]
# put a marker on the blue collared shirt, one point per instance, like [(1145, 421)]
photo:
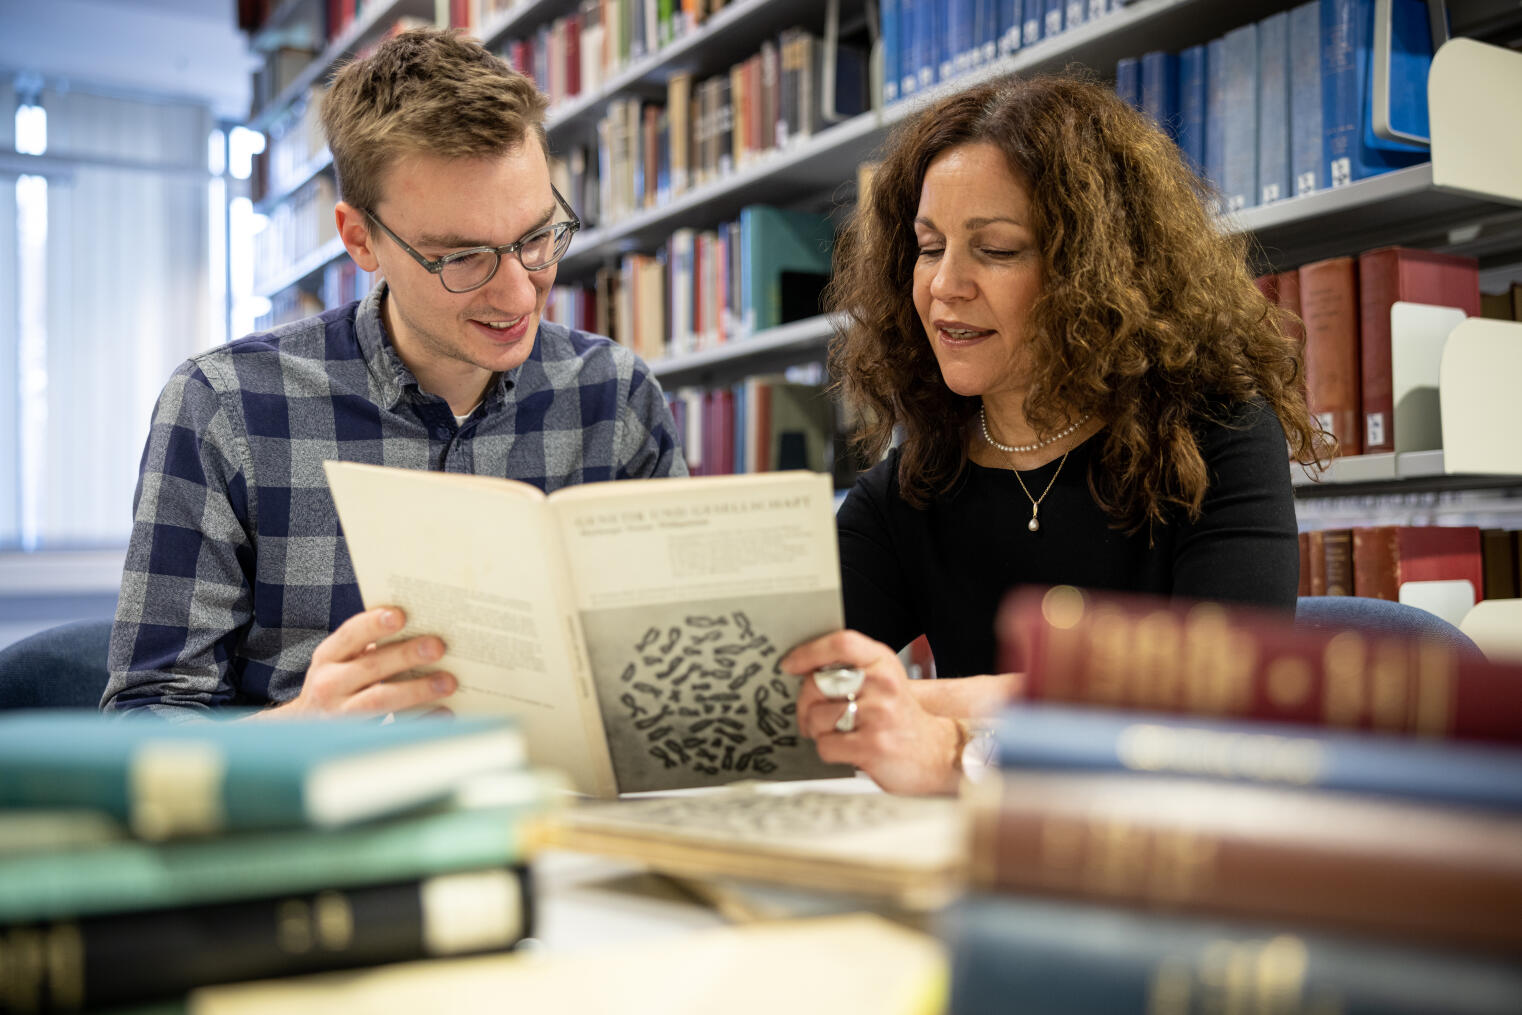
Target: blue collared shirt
[(236, 568)]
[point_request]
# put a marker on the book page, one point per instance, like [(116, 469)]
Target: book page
[(477, 561), (690, 592)]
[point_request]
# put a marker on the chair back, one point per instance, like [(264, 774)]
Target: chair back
[(1382, 616), (61, 667)]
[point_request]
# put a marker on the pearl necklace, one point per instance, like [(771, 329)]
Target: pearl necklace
[(1015, 449)]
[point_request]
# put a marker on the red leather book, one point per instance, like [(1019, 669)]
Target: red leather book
[(1304, 541), (1361, 864), (1386, 276), (1316, 551), (1385, 557), (1239, 662), (573, 54), (1337, 547), (1329, 304), (1287, 288)]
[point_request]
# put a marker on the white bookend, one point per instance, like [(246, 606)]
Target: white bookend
[(1481, 398), (1417, 335)]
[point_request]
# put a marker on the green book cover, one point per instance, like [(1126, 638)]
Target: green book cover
[(132, 874), (168, 779), (775, 241)]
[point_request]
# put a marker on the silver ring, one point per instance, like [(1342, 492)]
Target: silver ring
[(838, 681), (847, 721)]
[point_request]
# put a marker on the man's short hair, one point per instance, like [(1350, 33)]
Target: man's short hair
[(426, 91)]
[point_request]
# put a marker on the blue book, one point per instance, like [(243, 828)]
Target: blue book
[(927, 41), (1350, 151), (1012, 953), (1215, 112), (1097, 8), (1051, 21), (985, 32), (1128, 80), (1075, 13), (1191, 105), (1032, 20), (888, 34), (1159, 89), (1091, 739), (908, 47), (954, 16), (169, 779), (1239, 118), (1306, 170), (1404, 112), (1009, 26), (1273, 108)]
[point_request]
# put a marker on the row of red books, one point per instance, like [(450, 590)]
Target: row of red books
[(1376, 561)]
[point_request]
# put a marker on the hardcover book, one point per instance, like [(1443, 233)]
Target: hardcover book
[(1329, 305), (1011, 953), (1404, 274), (636, 628), (1234, 662), (1424, 873), (168, 779)]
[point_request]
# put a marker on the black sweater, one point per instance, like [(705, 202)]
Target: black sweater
[(943, 570)]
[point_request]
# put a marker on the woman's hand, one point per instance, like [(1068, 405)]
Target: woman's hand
[(904, 748)]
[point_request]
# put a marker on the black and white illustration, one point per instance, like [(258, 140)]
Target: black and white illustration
[(694, 694)]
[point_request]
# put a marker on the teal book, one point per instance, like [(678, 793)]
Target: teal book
[(1016, 954), (166, 780), (133, 875), (775, 243)]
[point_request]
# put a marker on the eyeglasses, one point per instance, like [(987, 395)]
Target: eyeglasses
[(465, 270)]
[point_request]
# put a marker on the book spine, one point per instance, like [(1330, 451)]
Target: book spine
[(1340, 87), (888, 34), (1215, 112), (1031, 18), (1056, 737), (138, 875), (1273, 109), (1439, 553), (1329, 298), (1017, 954), (1128, 80), (1239, 126), (1338, 548), (1191, 133), (1315, 542), (1130, 653), (1159, 90), (132, 957), (1374, 563), (1423, 873), (1305, 98)]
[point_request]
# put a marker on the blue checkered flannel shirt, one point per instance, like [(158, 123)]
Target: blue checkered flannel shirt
[(236, 568)]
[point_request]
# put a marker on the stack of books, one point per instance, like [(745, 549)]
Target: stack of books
[(1206, 808), (140, 859)]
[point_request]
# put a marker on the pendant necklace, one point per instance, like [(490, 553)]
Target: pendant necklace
[(1035, 523)]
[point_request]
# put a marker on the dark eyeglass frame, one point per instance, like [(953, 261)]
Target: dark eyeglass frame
[(437, 267)]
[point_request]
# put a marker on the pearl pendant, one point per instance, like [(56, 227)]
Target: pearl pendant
[(1033, 524)]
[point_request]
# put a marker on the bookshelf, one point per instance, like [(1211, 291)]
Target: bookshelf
[(1467, 199)]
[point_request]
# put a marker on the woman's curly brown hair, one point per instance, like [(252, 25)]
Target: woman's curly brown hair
[(1148, 317)]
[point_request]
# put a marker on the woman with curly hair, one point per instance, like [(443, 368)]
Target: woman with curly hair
[(1088, 387)]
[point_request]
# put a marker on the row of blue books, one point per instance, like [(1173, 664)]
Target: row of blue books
[(1151, 842), (141, 859), (925, 42), (1290, 105)]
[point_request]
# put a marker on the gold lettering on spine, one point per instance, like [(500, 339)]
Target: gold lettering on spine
[(1117, 858), (1148, 747), (1288, 683), (1437, 668), (66, 966), (293, 927), (1062, 608), (1389, 697), (334, 921), (21, 969), (1183, 864), (1343, 664), (1280, 977), (1218, 663), (1157, 678), (1171, 985), (1109, 657)]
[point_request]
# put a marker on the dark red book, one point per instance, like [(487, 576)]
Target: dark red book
[(1304, 541), (1337, 552), (1316, 550), (1120, 651), (1498, 556), (1401, 274), (573, 54), (1329, 305)]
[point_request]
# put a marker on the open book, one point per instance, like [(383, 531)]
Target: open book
[(636, 628)]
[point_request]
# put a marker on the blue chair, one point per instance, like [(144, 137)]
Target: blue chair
[(61, 667), (1380, 616)]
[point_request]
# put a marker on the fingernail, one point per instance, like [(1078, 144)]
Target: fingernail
[(430, 649), (441, 683), (391, 619)]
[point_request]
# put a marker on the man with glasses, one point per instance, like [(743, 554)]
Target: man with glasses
[(237, 588)]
